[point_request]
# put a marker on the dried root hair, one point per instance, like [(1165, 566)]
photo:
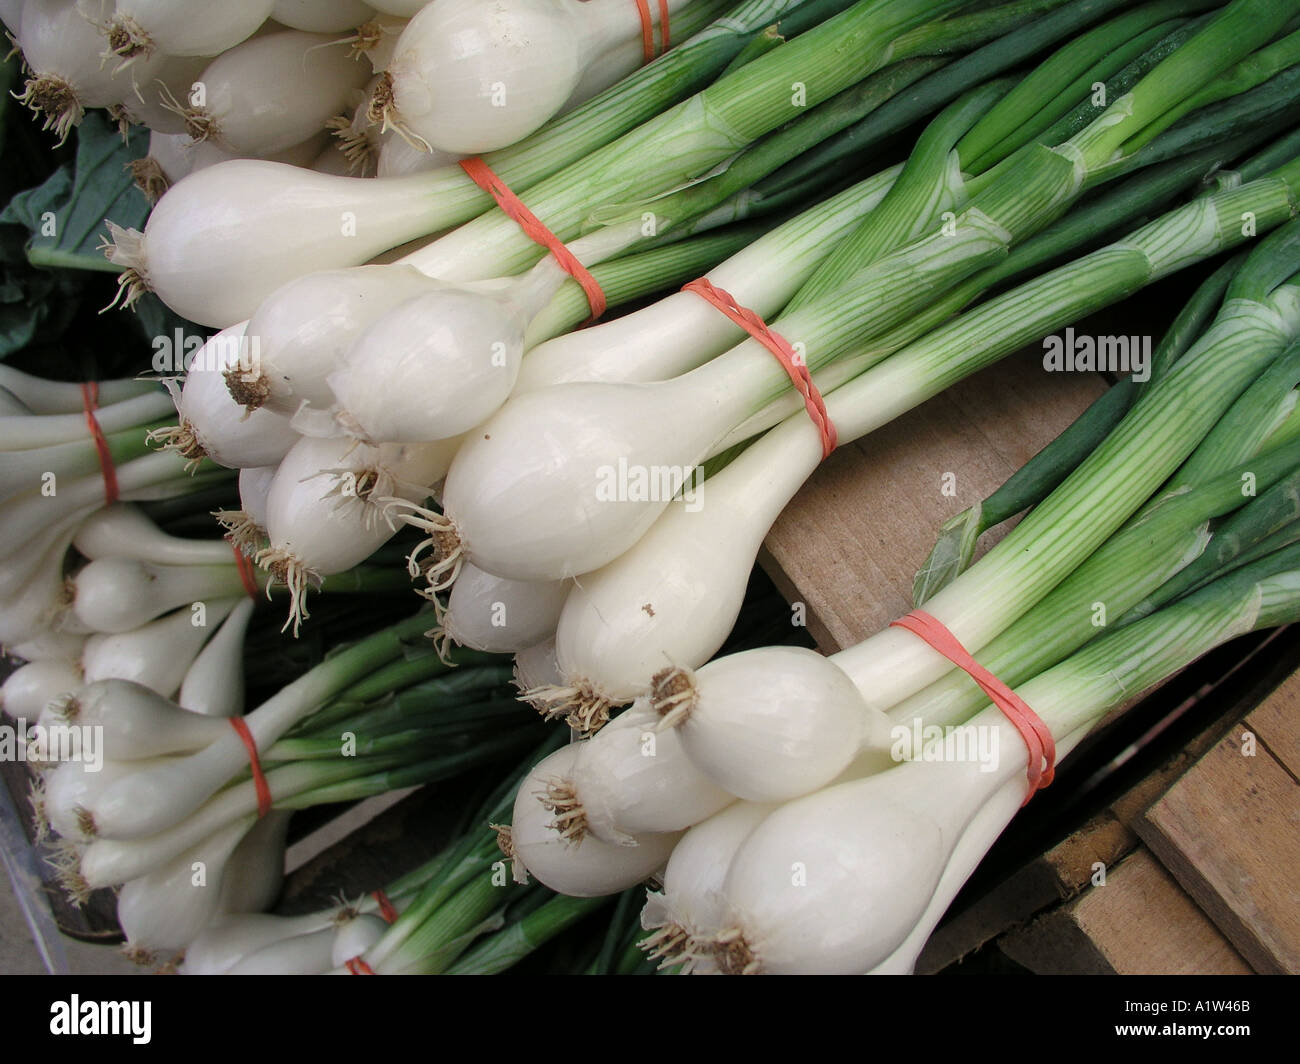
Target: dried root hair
[(121, 117), (382, 111), (570, 817), (733, 954), (242, 532), (440, 635), (149, 177), (183, 440), (139, 955), (65, 859), (125, 248), (671, 945), (127, 41), (506, 844), (285, 569), (200, 123), (366, 38), (55, 101), (446, 553), (583, 709), (355, 144), (65, 706), (673, 695), (41, 829), (86, 822)]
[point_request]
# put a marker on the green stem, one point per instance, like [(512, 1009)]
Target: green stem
[(955, 547), (1152, 441), (501, 951), (1064, 78), (1264, 524), (1239, 29), (637, 275), (926, 188), (941, 88), (1116, 577), (1241, 432)]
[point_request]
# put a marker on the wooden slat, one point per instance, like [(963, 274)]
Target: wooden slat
[(1229, 831), (1276, 722), (1067, 868), (850, 543), (1139, 923)]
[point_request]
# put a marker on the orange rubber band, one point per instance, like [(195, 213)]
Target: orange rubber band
[(647, 29), (254, 762), (90, 401), (483, 176), (1036, 734), (790, 360), (247, 574), (386, 908), (358, 967)]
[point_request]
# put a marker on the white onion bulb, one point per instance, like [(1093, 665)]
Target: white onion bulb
[(588, 868)]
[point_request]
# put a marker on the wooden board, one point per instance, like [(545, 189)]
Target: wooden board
[(851, 541), (1229, 831), (1139, 923), (1067, 868)]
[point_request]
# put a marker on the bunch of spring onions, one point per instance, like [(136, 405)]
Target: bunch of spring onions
[(470, 909), (401, 359), (380, 715), (92, 590), (461, 912), (1180, 523), (520, 518)]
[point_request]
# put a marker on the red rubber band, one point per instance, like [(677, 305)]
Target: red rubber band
[(483, 176), (386, 908), (358, 967), (1036, 734), (254, 763), (90, 401), (247, 574), (647, 29), (780, 347)]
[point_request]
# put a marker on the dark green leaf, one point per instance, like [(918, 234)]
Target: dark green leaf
[(64, 217)]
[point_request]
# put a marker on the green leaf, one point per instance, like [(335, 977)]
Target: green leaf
[(35, 305), (64, 217), (951, 556), (53, 278)]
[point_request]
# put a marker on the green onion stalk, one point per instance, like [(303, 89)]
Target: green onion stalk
[(1259, 319), (422, 727), (475, 891), (955, 547), (913, 284), (161, 797), (1149, 554)]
